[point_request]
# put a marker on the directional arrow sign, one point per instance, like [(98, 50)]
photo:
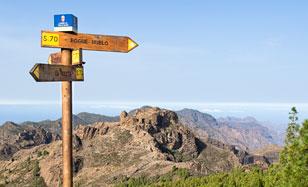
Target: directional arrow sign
[(87, 41), (51, 73), (55, 58), (77, 56)]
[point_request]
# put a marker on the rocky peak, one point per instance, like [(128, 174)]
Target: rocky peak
[(149, 141), (197, 118), (33, 137), (148, 117), (9, 124), (90, 132), (123, 115), (170, 136), (15, 137)]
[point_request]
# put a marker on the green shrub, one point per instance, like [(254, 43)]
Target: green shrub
[(292, 169)]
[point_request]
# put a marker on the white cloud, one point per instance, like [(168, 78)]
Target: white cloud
[(215, 110)]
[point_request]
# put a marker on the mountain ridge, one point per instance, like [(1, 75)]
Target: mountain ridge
[(226, 129), (150, 142), (246, 132)]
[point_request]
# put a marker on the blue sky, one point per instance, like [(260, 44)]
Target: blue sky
[(189, 51)]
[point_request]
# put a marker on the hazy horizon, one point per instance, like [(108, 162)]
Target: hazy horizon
[(275, 115)]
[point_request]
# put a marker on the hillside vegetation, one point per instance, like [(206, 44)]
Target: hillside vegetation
[(291, 170), (146, 147)]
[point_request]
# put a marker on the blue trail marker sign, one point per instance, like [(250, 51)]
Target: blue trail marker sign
[(65, 22)]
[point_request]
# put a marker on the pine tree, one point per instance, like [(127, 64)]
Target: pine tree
[(292, 131), (37, 180), (293, 164), (36, 169), (300, 159), (291, 137), (288, 153)]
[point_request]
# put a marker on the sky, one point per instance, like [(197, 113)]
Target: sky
[(189, 51)]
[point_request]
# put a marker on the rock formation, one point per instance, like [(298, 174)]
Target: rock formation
[(146, 142)]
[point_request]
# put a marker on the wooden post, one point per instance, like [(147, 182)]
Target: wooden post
[(68, 39), (66, 58)]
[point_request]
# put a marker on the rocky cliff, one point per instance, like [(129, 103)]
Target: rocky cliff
[(147, 142), (246, 133)]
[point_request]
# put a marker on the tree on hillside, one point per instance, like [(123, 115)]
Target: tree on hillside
[(293, 127), (37, 180), (292, 169), (300, 160), (290, 140)]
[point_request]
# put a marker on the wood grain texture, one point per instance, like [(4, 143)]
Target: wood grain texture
[(67, 112), (87, 41), (51, 73), (55, 58)]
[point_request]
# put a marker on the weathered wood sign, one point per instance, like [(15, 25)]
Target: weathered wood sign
[(55, 58), (77, 57), (87, 41), (62, 67), (51, 73)]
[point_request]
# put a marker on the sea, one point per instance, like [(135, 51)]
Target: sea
[(275, 115)]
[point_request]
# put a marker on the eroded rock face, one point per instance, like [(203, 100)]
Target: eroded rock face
[(33, 137), (243, 156), (244, 132), (172, 138), (77, 143), (90, 132), (15, 137), (7, 151), (123, 116), (77, 164), (149, 141), (220, 144)]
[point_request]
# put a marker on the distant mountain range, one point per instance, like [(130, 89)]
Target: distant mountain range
[(247, 133), (83, 118), (145, 142), (14, 137)]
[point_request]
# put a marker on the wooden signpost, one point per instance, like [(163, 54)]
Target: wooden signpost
[(87, 41), (61, 67), (77, 57), (55, 58), (50, 73)]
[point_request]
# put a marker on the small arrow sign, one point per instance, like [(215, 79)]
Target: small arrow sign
[(93, 42), (55, 58), (52, 73)]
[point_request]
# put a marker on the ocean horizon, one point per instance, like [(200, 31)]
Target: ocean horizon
[(275, 114)]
